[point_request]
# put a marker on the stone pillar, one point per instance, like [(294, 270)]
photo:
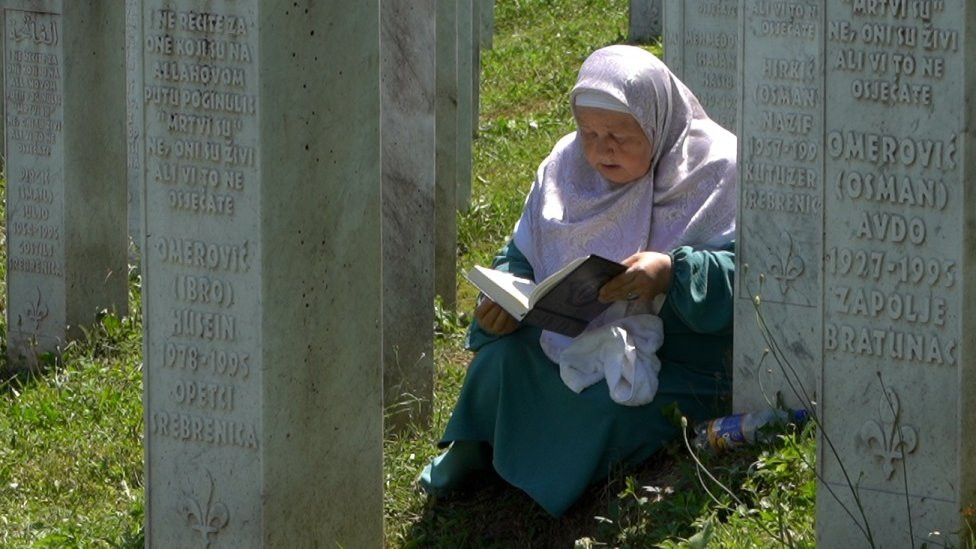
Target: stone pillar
[(475, 69), (407, 42), (487, 21), (133, 124), (645, 20), (262, 274), (898, 397), (65, 171), (856, 148), (701, 42), (465, 102), (779, 245), (446, 172)]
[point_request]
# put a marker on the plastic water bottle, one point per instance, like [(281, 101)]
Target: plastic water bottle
[(728, 432)]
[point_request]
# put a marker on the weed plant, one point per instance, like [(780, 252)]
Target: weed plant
[(71, 436)]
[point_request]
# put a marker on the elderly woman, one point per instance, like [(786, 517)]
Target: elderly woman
[(650, 181)]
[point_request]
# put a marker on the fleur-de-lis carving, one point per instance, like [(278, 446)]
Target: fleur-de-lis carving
[(36, 310), (790, 266), (886, 439), (209, 521)]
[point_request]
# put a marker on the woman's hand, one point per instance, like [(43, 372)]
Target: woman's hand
[(493, 319), (648, 274)]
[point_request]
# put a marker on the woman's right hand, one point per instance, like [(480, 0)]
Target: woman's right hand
[(493, 319)]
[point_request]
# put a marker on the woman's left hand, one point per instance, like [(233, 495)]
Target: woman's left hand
[(648, 274)]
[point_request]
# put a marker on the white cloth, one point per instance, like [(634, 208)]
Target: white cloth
[(623, 353), (686, 198), (599, 100)]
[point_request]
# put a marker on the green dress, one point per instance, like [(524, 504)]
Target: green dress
[(515, 413)]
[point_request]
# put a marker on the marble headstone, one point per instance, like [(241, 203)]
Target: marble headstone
[(645, 20), (262, 274), (779, 245), (465, 101), (898, 249), (876, 258), (133, 117), (65, 171), (407, 41), (446, 172), (475, 68), (487, 21), (701, 48)]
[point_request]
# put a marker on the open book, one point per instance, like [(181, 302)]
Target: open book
[(565, 302)]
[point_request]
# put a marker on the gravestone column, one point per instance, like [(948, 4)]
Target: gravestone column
[(446, 171), (487, 21), (408, 79), (779, 243), (465, 101), (262, 280), (898, 401), (701, 39), (645, 20), (133, 118), (65, 171), (475, 69), (884, 92)]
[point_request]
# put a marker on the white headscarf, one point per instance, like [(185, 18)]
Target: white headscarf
[(686, 198)]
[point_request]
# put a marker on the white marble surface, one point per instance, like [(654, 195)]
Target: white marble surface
[(701, 48), (133, 123), (859, 218), (262, 274), (407, 49), (446, 107), (65, 168), (645, 20), (465, 101), (487, 20)]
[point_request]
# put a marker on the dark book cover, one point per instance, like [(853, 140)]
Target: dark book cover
[(569, 306)]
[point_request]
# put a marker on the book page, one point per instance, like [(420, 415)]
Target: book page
[(505, 289)]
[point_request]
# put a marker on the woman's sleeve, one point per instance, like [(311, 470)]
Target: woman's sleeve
[(701, 288), (511, 260)]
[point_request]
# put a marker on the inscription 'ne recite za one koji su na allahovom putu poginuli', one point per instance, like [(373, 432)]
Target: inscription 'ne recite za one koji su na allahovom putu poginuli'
[(199, 70)]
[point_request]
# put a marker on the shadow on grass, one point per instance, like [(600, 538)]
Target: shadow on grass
[(643, 507), (13, 378)]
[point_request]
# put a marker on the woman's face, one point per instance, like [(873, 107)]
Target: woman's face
[(614, 144)]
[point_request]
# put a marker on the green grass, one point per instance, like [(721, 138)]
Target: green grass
[(70, 439)]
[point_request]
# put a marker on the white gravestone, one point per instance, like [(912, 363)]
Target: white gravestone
[(446, 175), (645, 20), (475, 68), (262, 278), (465, 101), (884, 93), (779, 245), (65, 172), (133, 96), (701, 48), (897, 400), (487, 21), (408, 80)]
